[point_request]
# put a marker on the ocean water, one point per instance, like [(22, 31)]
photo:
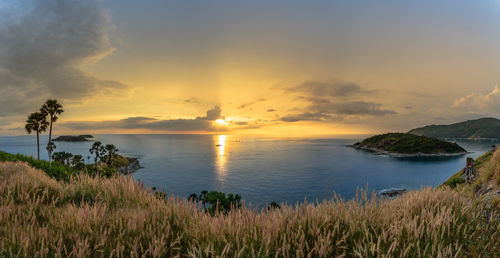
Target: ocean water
[(262, 169)]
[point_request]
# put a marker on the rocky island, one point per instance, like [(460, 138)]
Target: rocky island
[(74, 138), (126, 165), (403, 144)]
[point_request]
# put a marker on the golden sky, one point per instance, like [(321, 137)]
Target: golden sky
[(286, 68)]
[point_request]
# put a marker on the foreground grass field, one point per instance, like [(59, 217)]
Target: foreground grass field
[(40, 216)]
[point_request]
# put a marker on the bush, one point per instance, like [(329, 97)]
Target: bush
[(453, 182)]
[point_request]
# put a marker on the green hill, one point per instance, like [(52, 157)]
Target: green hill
[(480, 128), (403, 143)]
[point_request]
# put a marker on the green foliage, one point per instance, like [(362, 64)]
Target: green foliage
[(54, 170), (218, 201), (98, 150), (453, 182), (409, 144), (111, 150), (273, 205), (480, 128), (37, 123), (62, 158)]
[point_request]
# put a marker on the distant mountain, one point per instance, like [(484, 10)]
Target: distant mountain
[(409, 145), (480, 128)]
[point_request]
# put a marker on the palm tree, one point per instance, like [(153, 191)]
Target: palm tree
[(51, 108), (50, 148), (37, 122), (112, 150), (67, 158), (59, 157), (98, 150), (77, 162)]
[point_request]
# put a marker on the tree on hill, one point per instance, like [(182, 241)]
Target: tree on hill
[(63, 158), (111, 151), (52, 109), (77, 162), (98, 150), (36, 122), (218, 201), (50, 148)]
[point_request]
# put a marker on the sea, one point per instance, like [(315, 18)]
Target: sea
[(262, 169)]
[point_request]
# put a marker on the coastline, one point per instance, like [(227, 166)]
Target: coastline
[(396, 154)]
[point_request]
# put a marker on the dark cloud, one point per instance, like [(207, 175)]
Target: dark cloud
[(306, 116), (352, 108), (44, 47), (335, 89), (333, 101), (252, 103), (212, 114), (204, 123), (271, 110)]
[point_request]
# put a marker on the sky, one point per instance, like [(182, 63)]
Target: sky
[(278, 68)]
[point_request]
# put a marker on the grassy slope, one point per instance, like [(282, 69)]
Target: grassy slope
[(480, 128), (409, 144), (117, 216), (486, 186), (54, 170)]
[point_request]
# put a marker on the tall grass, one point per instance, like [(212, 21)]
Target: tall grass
[(116, 216)]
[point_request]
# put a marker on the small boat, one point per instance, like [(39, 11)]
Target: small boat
[(218, 145)]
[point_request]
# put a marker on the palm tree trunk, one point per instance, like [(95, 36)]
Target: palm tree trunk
[(50, 139), (50, 130), (38, 144)]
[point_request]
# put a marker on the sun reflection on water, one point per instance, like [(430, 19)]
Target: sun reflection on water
[(220, 161)]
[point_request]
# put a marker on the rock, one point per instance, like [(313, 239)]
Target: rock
[(133, 166), (392, 192)]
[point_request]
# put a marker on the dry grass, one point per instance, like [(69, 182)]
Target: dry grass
[(119, 217)]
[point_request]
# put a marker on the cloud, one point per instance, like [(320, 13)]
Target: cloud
[(352, 108), (271, 110), (45, 46), (204, 123), (479, 103), (333, 101), (334, 89), (251, 103), (308, 116), (212, 114)]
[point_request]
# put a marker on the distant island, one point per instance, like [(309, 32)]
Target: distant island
[(403, 144), (73, 138), (471, 129)]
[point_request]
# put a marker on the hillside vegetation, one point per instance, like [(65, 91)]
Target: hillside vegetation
[(486, 185), (402, 143), (95, 216), (64, 171), (480, 128)]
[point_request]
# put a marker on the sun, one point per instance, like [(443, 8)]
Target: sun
[(221, 121)]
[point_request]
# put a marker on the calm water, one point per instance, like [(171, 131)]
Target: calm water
[(264, 170)]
